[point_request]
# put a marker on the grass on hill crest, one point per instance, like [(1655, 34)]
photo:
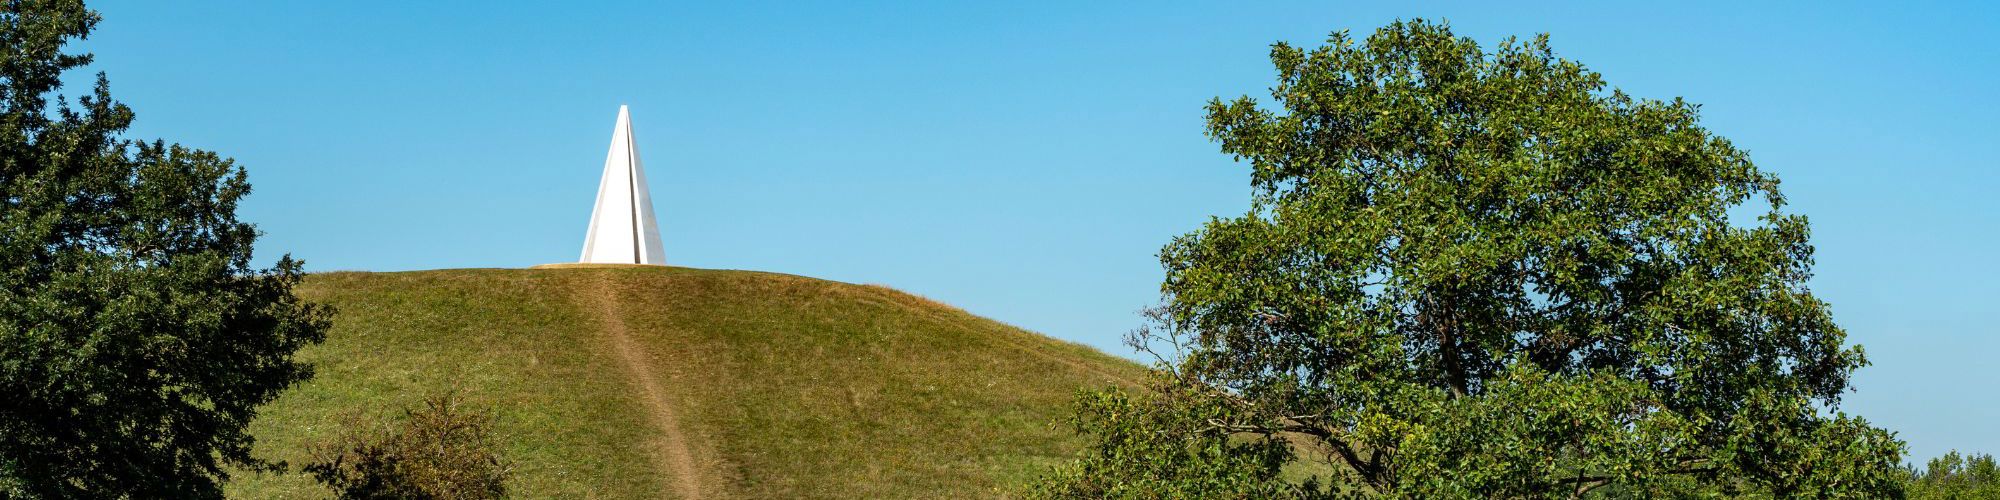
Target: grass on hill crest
[(648, 382)]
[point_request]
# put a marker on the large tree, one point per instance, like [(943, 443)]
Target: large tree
[(1472, 272), (136, 339)]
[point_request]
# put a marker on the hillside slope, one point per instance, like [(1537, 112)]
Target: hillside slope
[(671, 382)]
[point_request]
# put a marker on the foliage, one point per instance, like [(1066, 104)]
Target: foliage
[(440, 451), (1473, 273), (1163, 444), (136, 341), (1956, 477)]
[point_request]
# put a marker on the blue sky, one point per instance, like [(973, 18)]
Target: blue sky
[(1025, 160)]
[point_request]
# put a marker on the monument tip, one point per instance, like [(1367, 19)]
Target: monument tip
[(623, 229)]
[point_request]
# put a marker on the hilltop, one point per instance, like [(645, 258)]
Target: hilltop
[(644, 382)]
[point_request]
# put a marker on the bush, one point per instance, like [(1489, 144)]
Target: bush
[(440, 451)]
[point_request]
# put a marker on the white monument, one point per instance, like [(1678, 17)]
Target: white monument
[(622, 227)]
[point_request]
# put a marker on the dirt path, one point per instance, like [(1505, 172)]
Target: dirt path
[(677, 461)]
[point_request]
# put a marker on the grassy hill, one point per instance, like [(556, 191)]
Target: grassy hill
[(633, 382)]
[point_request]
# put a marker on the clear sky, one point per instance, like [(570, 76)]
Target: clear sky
[(1025, 160)]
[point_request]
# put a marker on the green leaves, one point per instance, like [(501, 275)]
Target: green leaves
[(1486, 274), (1957, 476), (136, 341), (1166, 445)]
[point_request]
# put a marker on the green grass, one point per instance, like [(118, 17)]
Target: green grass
[(782, 386)]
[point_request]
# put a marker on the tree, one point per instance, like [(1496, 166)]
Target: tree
[(1473, 273), (136, 340), (1954, 476)]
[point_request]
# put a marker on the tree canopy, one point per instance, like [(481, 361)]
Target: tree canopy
[(1955, 476), (1472, 272), (136, 339)]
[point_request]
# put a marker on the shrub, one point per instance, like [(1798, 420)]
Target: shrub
[(441, 450)]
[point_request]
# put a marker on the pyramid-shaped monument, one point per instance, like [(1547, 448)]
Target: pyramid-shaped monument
[(622, 227)]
